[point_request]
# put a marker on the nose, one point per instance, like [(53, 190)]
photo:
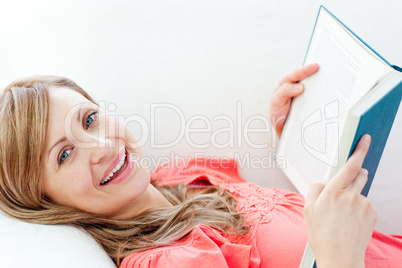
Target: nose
[(101, 152)]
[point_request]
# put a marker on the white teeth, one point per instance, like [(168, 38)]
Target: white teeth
[(118, 166)]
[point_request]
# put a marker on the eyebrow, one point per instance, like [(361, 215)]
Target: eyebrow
[(64, 138)]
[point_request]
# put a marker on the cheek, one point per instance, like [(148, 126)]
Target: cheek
[(144, 178), (67, 187)]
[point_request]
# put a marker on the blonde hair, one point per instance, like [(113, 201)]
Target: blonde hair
[(23, 122)]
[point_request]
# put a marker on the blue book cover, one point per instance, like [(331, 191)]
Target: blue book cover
[(376, 121)]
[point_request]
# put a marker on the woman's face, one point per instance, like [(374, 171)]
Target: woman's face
[(87, 161)]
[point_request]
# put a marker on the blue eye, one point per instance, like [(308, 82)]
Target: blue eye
[(64, 155), (90, 119)]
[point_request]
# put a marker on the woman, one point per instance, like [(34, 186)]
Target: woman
[(64, 161)]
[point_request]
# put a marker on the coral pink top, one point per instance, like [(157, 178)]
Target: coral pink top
[(277, 237)]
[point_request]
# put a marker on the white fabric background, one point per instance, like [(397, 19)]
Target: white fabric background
[(205, 58)]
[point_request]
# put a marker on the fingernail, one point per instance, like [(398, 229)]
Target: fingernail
[(366, 138), (298, 87), (365, 171)]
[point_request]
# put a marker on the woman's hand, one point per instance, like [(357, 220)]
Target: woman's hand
[(288, 88), (339, 220)]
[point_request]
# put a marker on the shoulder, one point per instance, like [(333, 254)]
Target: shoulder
[(198, 171), (201, 248)]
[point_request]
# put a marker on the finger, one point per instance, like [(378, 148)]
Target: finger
[(313, 194), (299, 74), (279, 127), (287, 91), (360, 181), (352, 167)]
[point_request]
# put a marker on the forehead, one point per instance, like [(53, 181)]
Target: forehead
[(64, 107), (65, 96), (64, 101)]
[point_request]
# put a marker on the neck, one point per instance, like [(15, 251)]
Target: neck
[(157, 199), (150, 199)]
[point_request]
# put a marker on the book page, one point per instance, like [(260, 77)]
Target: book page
[(309, 143)]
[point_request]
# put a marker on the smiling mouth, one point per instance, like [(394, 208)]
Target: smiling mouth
[(116, 171)]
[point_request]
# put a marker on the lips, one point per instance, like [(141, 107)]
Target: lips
[(119, 168), (116, 171)]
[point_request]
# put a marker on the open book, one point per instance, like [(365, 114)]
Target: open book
[(354, 92)]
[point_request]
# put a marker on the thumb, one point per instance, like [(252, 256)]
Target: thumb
[(312, 196)]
